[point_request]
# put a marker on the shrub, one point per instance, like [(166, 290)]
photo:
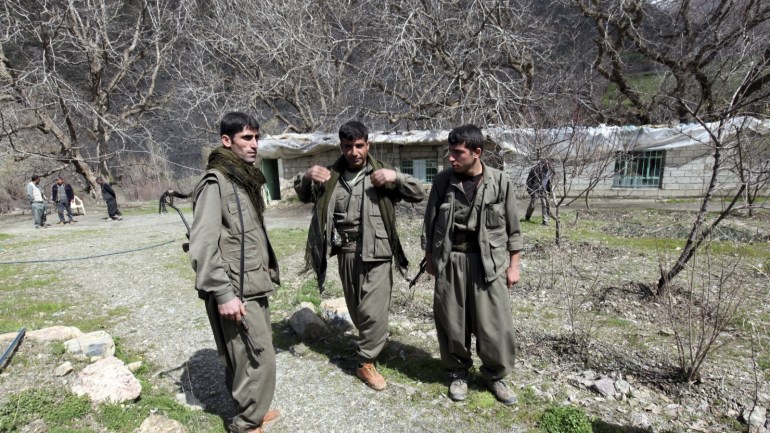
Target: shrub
[(565, 419)]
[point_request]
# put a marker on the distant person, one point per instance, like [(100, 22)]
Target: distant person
[(37, 201), (354, 218), (108, 194), (539, 187), (472, 244), (62, 195), (235, 269)]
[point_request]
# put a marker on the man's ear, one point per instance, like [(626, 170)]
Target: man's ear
[(477, 152), (226, 141)]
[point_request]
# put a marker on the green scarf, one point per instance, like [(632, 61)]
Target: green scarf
[(315, 249), (241, 172)]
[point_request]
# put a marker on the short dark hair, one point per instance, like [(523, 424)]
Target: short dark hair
[(469, 135), (99, 179), (35, 177), (353, 130), (235, 122)]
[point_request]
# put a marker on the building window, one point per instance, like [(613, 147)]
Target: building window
[(639, 170), (423, 169)]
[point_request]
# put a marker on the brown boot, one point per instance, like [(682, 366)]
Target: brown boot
[(368, 373), (271, 417)]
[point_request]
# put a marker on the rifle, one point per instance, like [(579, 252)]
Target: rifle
[(423, 265), (167, 199)]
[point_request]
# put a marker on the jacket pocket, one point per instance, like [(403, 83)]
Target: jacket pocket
[(441, 225), (381, 241), (498, 243), (256, 279), (495, 215), (249, 217)]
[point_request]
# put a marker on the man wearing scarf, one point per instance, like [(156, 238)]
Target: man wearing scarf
[(235, 269), (354, 218)]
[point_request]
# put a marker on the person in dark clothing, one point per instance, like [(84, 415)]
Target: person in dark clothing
[(108, 194), (62, 195), (539, 187)]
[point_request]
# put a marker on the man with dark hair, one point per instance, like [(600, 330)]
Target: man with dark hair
[(539, 187), (235, 268), (354, 218), (37, 201), (62, 194), (109, 196), (472, 240)]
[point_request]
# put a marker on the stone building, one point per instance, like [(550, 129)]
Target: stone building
[(628, 161)]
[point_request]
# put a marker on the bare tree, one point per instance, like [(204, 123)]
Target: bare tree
[(710, 64), (84, 74)]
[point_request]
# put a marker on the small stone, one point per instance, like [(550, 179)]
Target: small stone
[(755, 417), (63, 369), (94, 345), (640, 419), (36, 426), (299, 350), (605, 386), (160, 424), (623, 387), (134, 366)]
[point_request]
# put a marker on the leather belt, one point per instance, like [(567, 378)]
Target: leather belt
[(465, 247)]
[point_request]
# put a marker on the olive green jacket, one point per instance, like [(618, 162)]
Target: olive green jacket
[(498, 230), (215, 243), (379, 235)]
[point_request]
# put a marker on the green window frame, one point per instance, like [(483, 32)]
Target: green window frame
[(639, 169), (423, 169)]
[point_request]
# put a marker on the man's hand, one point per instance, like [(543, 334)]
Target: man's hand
[(383, 177), (318, 173), (512, 273), (430, 268), (233, 309)]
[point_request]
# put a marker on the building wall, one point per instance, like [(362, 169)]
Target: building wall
[(685, 174)]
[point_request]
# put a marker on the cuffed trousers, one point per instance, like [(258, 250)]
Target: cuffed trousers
[(464, 304), (250, 371), (367, 287)]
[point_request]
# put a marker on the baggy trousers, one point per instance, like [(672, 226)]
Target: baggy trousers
[(250, 375), (112, 207), (367, 287), (544, 205), (38, 213), (464, 304)]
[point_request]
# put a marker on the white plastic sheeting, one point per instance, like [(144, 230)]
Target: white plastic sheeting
[(523, 140)]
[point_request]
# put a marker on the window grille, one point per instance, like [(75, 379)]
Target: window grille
[(639, 170)]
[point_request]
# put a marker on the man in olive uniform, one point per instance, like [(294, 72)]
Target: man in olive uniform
[(235, 269), (472, 240), (354, 219)]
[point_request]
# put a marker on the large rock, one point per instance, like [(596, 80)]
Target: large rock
[(160, 424), (53, 333), (107, 380), (93, 345), (335, 311), (307, 324)]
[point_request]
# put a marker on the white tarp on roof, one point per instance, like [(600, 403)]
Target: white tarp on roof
[(520, 140)]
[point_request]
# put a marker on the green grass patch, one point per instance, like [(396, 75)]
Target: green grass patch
[(565, 419), (31, 313), (56, 406), (18, 277), (308, 292), (287, 242)]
